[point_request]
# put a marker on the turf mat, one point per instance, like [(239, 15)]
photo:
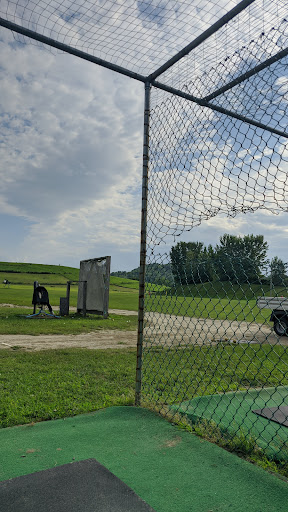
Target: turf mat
[(170, 469), (233, 410), (76, 487), (277, 414)]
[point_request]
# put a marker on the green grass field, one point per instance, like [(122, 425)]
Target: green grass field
[(58, 383), (50, 384), (227, 290), (126, 298), (203, 307), (123, 296), (21, 295), (213, 369), (54, 384), (211, 300), (15, 321)]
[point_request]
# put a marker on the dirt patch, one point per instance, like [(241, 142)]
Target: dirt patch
[(160, 330), (171, 443), (182, 330), (72, 308), (14, 306), (92, 340)]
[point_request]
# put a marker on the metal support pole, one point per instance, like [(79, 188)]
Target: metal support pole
[(84, 298), (143, 244), (36, 284), (68, 49), (222, 110), (68, 290), (106, 288), (245, 76), (68, 295)]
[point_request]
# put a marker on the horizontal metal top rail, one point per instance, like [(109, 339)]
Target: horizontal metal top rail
[(200, 39), (219, 109), (247, 74), (68, 49), (149, 79), (272, 303)]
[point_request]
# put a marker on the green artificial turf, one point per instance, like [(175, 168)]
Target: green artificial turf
[(233, 413), (172, 470)]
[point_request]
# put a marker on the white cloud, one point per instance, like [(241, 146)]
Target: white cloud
[(105, 227), (71, 146), (135, 34), (272, 227)]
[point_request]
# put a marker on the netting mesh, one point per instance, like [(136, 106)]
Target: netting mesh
[(214, 342), (212, 350), (203, 163), (216, 324), (140, 35), (256, 34)]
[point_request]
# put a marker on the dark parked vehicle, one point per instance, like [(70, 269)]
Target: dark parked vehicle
[(279, 316)]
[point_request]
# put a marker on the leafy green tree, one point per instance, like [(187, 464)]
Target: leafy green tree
[(240, 259), (190, 263), (278, 269)]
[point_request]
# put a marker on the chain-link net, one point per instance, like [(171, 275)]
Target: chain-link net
[(216, 318), (139, 35), (255, 35), (216, 342), (216, 321), (203, 163)]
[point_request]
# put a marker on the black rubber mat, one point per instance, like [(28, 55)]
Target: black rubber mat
[(277, 414), (84, 486)]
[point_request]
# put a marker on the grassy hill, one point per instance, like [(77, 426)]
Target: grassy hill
[(27, 273), (227, 290), (123, 292), (213, 300), (53, 275)]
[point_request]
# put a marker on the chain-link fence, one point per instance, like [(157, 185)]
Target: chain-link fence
[(215, 345), (216, 322), (213, 326)]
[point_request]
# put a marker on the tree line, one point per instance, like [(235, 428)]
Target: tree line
[(235, 259), (155, 273)]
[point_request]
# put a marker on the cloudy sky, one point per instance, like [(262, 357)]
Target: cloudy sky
[(71, 164), (71, 150)]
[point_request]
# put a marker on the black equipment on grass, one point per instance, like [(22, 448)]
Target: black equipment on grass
[(41, 299)]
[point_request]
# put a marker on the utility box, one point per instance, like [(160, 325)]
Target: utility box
[(64, 306)]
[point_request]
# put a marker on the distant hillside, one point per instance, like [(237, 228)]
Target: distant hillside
[(27, 273), (24, 272), (155, 273)]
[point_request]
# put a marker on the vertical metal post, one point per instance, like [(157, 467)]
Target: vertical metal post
[(36, 284), (143, 243), (106, 288), (68, 295), (84, 297)]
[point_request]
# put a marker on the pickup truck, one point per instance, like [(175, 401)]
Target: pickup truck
[(279, 316)]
